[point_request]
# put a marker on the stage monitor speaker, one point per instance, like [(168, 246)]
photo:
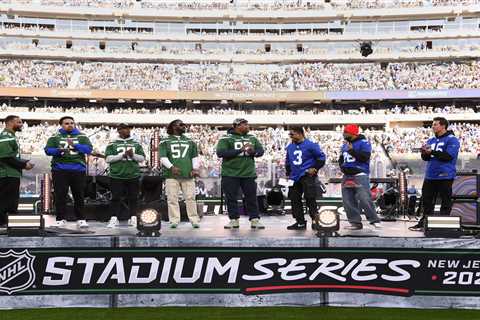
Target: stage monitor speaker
[(151, 188), (465, 191)]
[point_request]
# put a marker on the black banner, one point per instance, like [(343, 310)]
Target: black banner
[(249, 271)]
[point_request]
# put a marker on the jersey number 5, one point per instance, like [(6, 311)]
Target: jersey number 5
[(179, 150)]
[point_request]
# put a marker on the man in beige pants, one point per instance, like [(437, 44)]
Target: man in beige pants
[(178, 155)]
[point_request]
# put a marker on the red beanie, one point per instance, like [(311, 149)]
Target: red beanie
[(351, 129)]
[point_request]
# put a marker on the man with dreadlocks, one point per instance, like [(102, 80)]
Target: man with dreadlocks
[(179, 156)]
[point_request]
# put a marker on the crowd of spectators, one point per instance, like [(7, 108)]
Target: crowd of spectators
[(239, 77), (246, 4), (251, 110)]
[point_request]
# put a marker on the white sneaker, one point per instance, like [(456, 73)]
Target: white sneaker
[(132, 222), (376, 225), (60, 223), (82, 224), (113, 222), (233, 224)]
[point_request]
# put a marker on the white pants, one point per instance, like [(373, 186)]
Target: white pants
[(172, 188)]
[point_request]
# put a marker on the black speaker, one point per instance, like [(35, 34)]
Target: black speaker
[(69, 44), (268, 47), (151, 188), (429, 45), (93, 210), (102, 45)]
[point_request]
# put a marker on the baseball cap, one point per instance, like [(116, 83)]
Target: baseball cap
[(123, 125), (238, 121), (351, 129)]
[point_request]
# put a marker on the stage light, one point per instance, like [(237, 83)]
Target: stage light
[(328, 221), (149, 223), (443, 227), (25, 225)]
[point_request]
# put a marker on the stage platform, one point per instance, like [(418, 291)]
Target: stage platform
[(212, 227), (211, 234)]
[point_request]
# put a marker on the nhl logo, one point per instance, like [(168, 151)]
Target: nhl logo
[(16, 271)]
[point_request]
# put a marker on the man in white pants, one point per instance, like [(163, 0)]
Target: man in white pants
[(179, 156)]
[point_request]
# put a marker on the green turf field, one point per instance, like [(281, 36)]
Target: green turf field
[(260, 313)]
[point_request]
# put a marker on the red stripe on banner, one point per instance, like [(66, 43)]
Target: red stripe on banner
[(327, 286)]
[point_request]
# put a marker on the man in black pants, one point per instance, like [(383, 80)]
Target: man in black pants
[(11, 167), (441, 153), (68, 149), (304, 159), (123, 156), (238, 149)]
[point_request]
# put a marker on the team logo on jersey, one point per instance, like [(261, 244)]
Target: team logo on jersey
[(16, 271)]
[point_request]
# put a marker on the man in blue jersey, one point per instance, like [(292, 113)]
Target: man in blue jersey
[(354, 162), (304, 159), (68, 149), (441, 153)]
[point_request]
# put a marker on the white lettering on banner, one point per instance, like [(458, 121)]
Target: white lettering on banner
[(119, 275), (167, 266), (64, 273), (177, 275), (214, 265), (294, 266), (403, 274), (267, 273), (89, 264), (209, 270), (152, 265), (365, 266), (326, 267)]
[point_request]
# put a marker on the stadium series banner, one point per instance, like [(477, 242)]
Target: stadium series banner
[(249, 271)]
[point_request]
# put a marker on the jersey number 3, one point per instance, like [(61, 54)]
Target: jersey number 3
[(298, 157)]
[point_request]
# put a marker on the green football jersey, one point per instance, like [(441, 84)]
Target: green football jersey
[(124, 168), (71, 156), (242, 165), (9, 147), (180, 150)]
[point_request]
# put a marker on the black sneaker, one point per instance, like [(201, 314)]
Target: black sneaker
[(297, 226), (417, 227)]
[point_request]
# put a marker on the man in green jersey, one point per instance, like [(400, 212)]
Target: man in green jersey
[(123, 155), (68, 148), (11, 167), (179, 156), (238, 150)]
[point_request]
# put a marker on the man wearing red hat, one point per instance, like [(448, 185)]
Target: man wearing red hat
[(355, 164)]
